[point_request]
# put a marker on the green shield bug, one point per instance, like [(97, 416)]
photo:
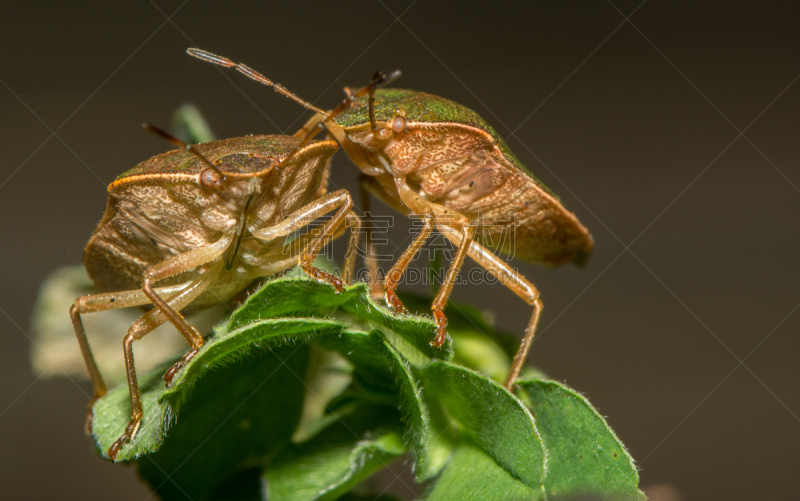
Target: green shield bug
[(189, 228), (431, 157)]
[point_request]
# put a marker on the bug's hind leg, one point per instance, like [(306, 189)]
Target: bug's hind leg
[(520, 286)]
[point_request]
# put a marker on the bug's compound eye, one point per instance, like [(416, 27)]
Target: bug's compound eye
[(211, 178), (398, 125)]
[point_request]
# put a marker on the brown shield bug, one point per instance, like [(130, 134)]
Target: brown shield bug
[(193, 227), (431, 157)]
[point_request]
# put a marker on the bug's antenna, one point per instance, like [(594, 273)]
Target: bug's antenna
[(250, 72), (379, 79)]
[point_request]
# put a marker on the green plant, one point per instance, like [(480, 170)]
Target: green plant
[(303, 393)]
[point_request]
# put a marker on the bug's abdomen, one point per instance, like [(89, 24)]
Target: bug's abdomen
[(528, 223), (120, 252), (145, 224)]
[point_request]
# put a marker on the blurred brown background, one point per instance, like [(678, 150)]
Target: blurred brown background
[(669, 128)]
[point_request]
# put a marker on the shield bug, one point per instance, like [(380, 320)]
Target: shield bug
[(434, 158), (196, 226)]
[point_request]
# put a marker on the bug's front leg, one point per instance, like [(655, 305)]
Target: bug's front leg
[(353, 222), (421, 208), (340, 200), (452, 222), (175, 266), (459, 225), (382, 187), (519, 285), (103, 302), (396, 272), (143, 326)]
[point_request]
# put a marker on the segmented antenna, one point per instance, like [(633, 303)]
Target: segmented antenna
[(251, 73), (378, 80)]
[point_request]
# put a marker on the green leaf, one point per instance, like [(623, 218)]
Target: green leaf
[(337, 459), (585, 456), (334, 325), (424, 447), (240, 402), (495, 419), (367, 497), (161, 405), (238, 414), (335, 317), (189, 125), (473, 475), (410, 334)]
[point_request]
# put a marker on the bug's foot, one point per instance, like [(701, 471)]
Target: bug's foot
[(180, 364), (336, 282), (441, 330), (325, 277), (393, 302), (90, 415), (130, 432)]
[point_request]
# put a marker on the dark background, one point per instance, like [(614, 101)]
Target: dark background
[(673, 135)]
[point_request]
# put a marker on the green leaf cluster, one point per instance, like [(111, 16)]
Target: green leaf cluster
[(303, 394)]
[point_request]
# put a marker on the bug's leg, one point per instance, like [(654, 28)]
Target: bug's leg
[(373, 278), (376, 185), (353, 222), (455, 223), (466, 232), (396, 272), (310, 127), (431, 214), (278, 260), (103, 302), (174, 266), (143, 326), (340, 200), (520, 286)]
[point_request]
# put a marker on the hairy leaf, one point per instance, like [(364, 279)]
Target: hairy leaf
[(304, 393), (585, 456), (496, 421), (474, 475), (337, 459)]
